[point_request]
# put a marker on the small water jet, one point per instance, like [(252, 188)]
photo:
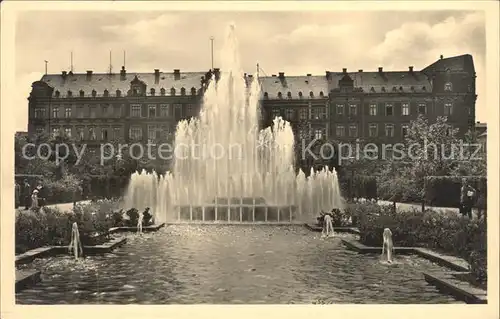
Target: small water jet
[(139, 222), (75, 245), (387, 245), (327, 226)]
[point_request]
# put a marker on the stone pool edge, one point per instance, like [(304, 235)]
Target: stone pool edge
[(41, 252), (340, 229), (461, 290)]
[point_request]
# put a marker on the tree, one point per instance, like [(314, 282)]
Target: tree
[(473, 159)]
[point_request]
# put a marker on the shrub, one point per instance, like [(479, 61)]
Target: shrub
[(59, 191), (443, 231), (51, 227)]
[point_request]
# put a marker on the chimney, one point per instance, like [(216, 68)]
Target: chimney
[(308, 74), (250, 76), (327, 75), (217, 74), (157, 76), (441, 56), (380, 69), (344, 70), (281, 75), (89, 75), (64, 73), (123, 73), (410, 68), (360, 70), (177, 74), (274, 75)]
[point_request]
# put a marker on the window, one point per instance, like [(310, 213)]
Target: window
[(67, 131), (318, 134), (152, 110), (353, 130), (389, 109), (82, 94), (405, 109), (304, 133), (373, 109), (118, 93), (104, 134), (92, 112), (80, 134), (55, 113), (404, 130), (162, 91), (135, 133), (422, 108), (177, 111), (340, 108), (105, 110), (164, 110), (448, 87), (340, 130), (190, 110), (303, 113), (39, 130), (55, 131), (92, 135), (39, 113), (116, 133), (318, 113), (79, 111), (135, 110), (448, 108), (67, 112), (164, 132), (118, 110), (449, 130), (353, 109), (469, 110), (276, 113), (389, 130), (290, 114), (373, 130)]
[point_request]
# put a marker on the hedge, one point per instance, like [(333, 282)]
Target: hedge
[(52, 227), (445, 232), (444, 191)]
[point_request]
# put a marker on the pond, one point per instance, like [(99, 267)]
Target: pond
[(223, 264)]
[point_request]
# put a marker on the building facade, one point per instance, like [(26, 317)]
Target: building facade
[(341, 106)]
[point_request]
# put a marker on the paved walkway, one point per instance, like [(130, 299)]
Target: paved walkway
[(64, 207)]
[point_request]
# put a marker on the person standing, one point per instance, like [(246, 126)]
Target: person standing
[(467, 195), (17, 195), (26, 194), (41, 195), (34, 200)]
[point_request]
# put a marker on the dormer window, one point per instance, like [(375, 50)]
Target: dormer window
[(193, 91), (280, 96), (266, 95), (412, 89), (118, 93), (372, 89), (394, 89), (152, 91), (172, 91), (82, 94), (183, 91), (57, 94), (106, 93), (300, 94), (162, 91), (383, 89), (448, 87), (321, 94), (311, 94), (424, 89), (289, 95), (401, 88), (94, 93), (70, 94)]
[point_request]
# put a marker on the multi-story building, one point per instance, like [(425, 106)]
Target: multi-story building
[(342, 106)]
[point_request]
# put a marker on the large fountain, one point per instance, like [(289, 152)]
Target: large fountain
[(225, 169)]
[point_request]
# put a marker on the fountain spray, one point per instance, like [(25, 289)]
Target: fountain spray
[(75, 245)]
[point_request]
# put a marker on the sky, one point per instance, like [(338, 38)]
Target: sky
[(296, 43)]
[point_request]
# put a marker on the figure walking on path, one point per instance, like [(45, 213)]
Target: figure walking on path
[(467, 195)]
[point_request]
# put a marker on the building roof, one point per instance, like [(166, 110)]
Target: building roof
[(273, 85), (113, 82), (456, 63), (392, 81)]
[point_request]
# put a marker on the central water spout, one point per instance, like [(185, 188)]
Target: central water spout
[(387, 245), (75, 244)]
